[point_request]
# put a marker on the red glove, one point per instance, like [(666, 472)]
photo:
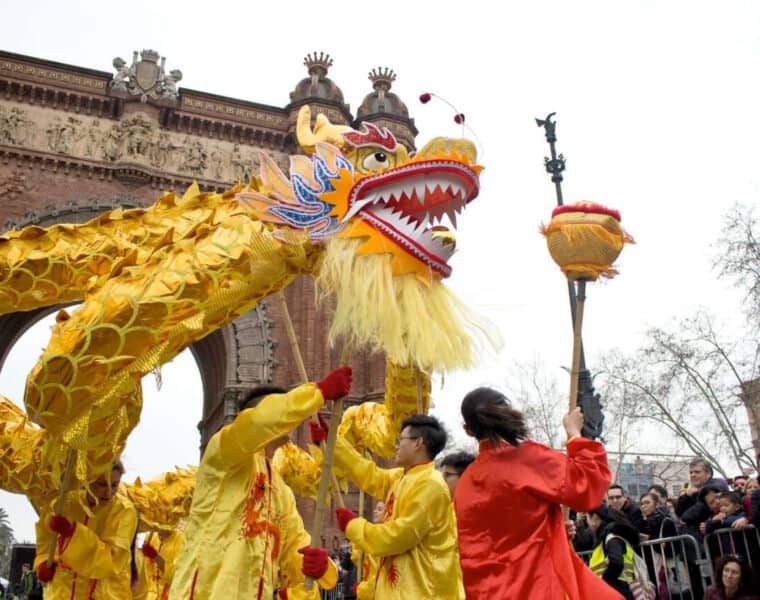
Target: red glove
[(345, 516), (45, 573), (318, 432), (314, 561), (62, 526), (337, 384), (149, 551)]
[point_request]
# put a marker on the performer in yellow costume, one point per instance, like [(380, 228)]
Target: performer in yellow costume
[(416, 544), (93, 556), (244, 537), (156, 564)]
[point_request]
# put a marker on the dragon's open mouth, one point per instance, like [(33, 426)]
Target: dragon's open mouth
[(406, 203)]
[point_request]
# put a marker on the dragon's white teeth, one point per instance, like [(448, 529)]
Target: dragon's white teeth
[(452, 217), (421, 190)]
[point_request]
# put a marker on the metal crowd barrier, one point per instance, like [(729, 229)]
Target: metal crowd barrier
[(676, 567), (739, 542)]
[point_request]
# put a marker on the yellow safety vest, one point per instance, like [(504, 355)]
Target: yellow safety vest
[(598, 563)]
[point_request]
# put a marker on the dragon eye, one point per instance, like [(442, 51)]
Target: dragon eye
[(376, 161)]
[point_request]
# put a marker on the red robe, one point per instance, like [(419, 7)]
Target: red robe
[(512, 538)]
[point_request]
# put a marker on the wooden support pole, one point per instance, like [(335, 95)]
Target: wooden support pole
[(304, 377), (576, 364), (577, 337), (327, 464)]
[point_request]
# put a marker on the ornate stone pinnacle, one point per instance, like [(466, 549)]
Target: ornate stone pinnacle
[(382, 76), (318, 64)]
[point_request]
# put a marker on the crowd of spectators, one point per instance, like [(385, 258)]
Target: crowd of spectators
[(704, 506)]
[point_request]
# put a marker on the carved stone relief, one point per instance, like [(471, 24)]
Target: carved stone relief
[(136, 139)]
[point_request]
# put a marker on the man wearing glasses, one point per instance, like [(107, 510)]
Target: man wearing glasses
[(416, 544), (616, 498)]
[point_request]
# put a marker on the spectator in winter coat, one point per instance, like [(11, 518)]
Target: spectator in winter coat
[(700, 475), (613, 558), (752, 485), (662, 493), (652, 516), (704, 507), (619, 500), (730, 510)]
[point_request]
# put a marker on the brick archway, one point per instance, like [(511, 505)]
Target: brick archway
[(230, 360)]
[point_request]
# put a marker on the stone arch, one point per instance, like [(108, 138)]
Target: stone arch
[(230, 360)]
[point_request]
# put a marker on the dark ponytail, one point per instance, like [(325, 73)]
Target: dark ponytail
[(488, 416)]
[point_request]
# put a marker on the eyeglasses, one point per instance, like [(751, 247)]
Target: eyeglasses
[(409, 437)]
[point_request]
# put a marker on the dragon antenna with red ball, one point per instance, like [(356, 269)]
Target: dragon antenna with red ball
[(459, 117)]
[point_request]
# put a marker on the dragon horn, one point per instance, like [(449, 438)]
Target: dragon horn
[(324, 131)]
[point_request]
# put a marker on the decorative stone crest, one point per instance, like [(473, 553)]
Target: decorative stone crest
[(145, 77)]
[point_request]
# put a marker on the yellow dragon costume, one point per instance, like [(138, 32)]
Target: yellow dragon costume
[(359, 214)]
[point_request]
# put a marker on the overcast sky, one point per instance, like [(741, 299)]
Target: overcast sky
[(655, 105)]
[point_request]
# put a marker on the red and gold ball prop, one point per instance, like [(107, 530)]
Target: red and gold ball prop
[(584, 239)]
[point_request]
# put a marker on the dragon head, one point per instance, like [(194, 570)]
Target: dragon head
[(362, 184), (378, 212)]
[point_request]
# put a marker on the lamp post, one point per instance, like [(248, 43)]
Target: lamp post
[(587, 399)]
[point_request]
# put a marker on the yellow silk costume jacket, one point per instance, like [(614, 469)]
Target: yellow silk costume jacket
[(416, 544), (94, 563), (155, 583), (367, 571), (243, 533)]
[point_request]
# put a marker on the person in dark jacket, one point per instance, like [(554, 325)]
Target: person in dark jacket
[(619, 500), (705, 507), (700, 476), (617, 540), (752, 516), (652, 516), (731, 509)]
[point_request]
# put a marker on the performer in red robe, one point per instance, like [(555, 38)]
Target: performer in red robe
[(512, 538)]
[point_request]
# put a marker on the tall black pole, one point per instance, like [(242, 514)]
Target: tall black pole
[(587, 399)]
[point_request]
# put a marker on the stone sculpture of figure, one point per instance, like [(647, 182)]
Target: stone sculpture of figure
[(138, 133), (12, 127), (93, 140), (240, 165), (217, 162), (195, 158), (121, 78), (170, 83), (54, 135), (61, 135), (112, 145), (161, 151)]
